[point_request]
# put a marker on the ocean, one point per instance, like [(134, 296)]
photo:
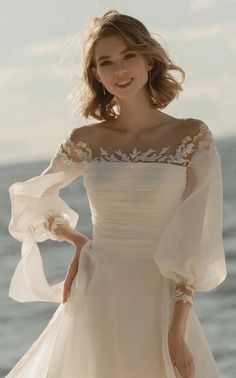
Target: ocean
[(21, 323)]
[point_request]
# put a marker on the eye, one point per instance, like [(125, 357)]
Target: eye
[(105, 63), (130, 55), (127, 56)]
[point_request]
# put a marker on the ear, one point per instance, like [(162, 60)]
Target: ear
[(150, 64), (95, 73)]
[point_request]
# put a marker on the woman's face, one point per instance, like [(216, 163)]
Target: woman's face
[(122, 71)]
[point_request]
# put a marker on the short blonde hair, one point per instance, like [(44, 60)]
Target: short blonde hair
[(163, 87)]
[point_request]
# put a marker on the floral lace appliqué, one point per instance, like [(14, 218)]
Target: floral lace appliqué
[(135, 155), (70, 152), (183, 293)]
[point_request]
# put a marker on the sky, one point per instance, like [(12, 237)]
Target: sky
[(40, 49)]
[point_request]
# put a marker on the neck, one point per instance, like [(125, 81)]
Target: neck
[(136, 113)]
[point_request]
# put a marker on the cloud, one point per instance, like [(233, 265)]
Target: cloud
[(67, 52), (201, 5), (50, 47), (221, 89), (14, 75), (33, 141), (206, 89), (64, 65), (19, 75), (204, 32), (216, 93)]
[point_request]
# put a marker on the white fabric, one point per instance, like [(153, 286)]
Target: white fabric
[(32, 201), (191, 247), (153, 224)]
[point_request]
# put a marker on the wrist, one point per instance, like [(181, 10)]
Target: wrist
[(78, 244), (72, 236), (176, 332), (78, 240)]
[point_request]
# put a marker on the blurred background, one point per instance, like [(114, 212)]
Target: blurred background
[(40, 50)]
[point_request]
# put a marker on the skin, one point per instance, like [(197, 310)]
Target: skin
[(137, 117)]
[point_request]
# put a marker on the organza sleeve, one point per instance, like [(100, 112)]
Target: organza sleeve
[(33, 203), (191, 251)]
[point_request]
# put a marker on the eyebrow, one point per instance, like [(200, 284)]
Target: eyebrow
[(107, 56)]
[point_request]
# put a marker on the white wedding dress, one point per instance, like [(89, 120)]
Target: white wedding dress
[(157, 221)]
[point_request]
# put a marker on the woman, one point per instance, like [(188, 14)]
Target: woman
[(155, 189)]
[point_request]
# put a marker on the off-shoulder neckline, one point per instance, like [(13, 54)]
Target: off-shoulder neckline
[(80, 150)]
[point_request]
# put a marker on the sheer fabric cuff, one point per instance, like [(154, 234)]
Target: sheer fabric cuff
[(183, 292)]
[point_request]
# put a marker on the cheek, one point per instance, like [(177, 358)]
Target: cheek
[(106, 73), (140, 74), (141, 67), (137, 69)]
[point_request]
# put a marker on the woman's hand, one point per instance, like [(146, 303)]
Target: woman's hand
[(73, 268), (181, 356)]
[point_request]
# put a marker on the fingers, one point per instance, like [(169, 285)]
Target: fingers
[(66, 292), (188, 370), (177, 373), (182, 360), (65, 296), (184, 367)]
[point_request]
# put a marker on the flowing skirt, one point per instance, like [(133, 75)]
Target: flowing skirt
[(114, 325)]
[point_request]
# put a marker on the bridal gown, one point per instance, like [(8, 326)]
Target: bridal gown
[(157, 221)]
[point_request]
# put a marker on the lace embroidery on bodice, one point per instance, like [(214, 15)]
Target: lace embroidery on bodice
[(69, 151)]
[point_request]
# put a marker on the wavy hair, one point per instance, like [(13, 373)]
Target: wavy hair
[(162, 86)]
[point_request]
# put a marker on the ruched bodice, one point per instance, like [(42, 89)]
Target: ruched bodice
[(132, 202)]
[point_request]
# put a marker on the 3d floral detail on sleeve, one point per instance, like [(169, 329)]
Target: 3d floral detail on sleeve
[(52, 222), (184, 293)]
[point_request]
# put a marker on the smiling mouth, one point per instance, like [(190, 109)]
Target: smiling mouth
[(125, 84)]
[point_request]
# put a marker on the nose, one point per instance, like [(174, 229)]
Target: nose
[(120, 70)]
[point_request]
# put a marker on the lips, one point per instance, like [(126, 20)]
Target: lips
[(124, 83)]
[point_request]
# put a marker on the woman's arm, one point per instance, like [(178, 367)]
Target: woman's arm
[(63, 231), (180, 355), (183, 298), (180, 317)]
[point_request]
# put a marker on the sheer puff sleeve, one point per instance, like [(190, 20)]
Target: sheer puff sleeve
[(36, 210), (190, 251)]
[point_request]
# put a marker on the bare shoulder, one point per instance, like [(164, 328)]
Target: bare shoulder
[(195, 127), (191, 128), (85, 133)]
